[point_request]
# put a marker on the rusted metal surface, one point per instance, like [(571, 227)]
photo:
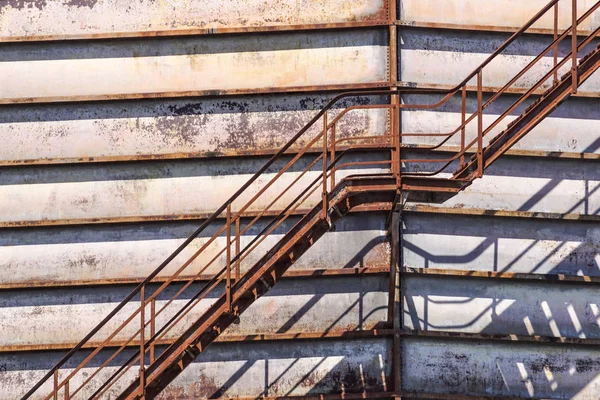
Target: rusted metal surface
[(224, 64), (552, 278), (334, 303), (136, 190), (526, 339), (474, 244), (86, 19), (497, 369), (356, 368), (166, 129), (423, 208), (500, 13), (499, 307), (480, 28), (423, 49)]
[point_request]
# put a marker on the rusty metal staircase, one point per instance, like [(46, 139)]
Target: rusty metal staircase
[(154, 338)]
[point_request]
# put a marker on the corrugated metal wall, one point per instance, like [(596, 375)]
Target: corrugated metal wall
[(124, 124)]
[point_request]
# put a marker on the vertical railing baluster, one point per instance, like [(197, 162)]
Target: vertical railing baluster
[(152, 327), (556, 44), (237, 248), (324, 211), (463, 130), (480, 123), (332, 156), (228, 266), (55, 391), (142, 341), (574, 77), (67, 394)]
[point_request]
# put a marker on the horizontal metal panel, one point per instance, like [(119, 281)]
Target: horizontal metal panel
[(573, 127), (120, 252), (498, 244), (529, 184), (207, 126), (446, 57), (113, 16), (492, 369), (507, 13), (501, 307), (211, 63), (293, 306), (152, 188), (240, 370)]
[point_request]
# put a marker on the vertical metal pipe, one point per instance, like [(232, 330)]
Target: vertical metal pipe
[(574, 77), (463, 119), (556, 37), (228, 267), (324, 211), (142, 341), (480, 123)]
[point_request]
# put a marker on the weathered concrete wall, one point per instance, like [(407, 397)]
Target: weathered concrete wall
[(112, 16)]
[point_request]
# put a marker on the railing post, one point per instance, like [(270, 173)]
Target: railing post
[(463, 130), (67, 394), (556, 44), (152, 327), (142, 342), (480, 123), (395, 131), (324, 211), (237, 248), (55, 391), (228, 267), (332, 156), (574, 78)]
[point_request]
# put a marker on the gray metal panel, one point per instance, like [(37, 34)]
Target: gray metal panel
[(530, 184), (242, 369), (159, 127), (151, 188), (501, 244), (446, 57), (491, 369), (505, 13), (18, 18), (113, 252), (209, 63), (501, 307), (574, 126), (294, 306)]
